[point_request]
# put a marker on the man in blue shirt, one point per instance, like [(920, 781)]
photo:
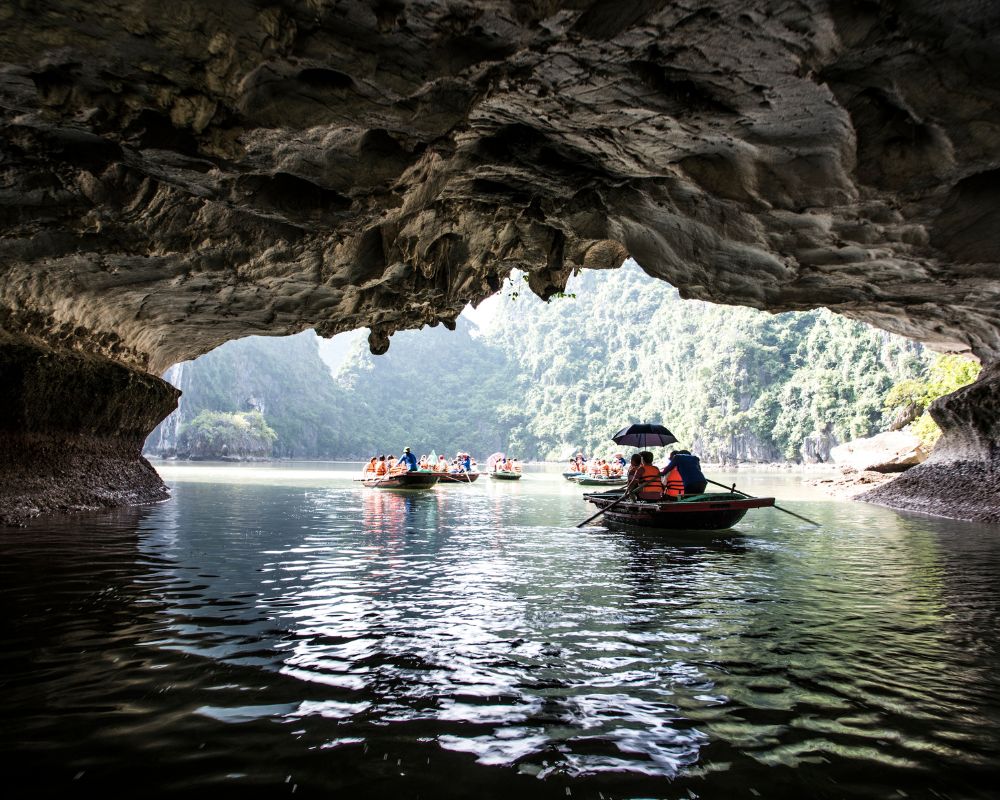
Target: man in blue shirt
[(689, 467), (409, 459)]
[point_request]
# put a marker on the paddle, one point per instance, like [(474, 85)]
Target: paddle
[(734, 490), (612, 505)]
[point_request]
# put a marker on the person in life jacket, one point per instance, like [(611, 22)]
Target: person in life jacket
[(382, 467), (605, 468), (688, 469), (370, 467), (646, 479)]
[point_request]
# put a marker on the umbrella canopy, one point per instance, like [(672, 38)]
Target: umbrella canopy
[(644, 435), (493, 459)]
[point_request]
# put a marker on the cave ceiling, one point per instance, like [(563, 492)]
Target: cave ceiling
[(175, 175)]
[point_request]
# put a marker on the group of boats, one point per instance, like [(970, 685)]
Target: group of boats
[(706, 511)]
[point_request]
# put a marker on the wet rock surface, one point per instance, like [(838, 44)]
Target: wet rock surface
[(176, 175), (961, 479), (71, 432)]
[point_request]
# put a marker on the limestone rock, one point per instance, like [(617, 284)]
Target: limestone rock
[(892, 451), (962, 476), (176, 175)]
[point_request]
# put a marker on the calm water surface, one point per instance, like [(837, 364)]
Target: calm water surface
[(279, 630)]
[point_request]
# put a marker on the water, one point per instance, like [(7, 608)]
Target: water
[(278, 630)]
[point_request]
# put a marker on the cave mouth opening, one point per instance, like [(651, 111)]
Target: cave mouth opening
[(544, 378)]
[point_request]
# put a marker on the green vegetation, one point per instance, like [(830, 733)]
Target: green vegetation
[(910, 398), (214, 435), (545, 379), (732, 383)]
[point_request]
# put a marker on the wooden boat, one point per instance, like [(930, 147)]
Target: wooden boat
[(458, 477), (501, 475), (713, 511), (571, 475), (414, 481), (600, 480)]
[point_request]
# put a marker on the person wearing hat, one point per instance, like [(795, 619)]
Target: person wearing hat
[(409, 459)]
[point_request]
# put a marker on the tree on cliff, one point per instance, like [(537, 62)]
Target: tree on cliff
[(214, 435)]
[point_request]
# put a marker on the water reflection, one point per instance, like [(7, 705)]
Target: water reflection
[(458, 642)]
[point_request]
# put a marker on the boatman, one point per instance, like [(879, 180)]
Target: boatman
[(689, 467), (409, 460)]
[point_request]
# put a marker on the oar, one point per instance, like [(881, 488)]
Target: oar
[(612, 505), (734, 490)]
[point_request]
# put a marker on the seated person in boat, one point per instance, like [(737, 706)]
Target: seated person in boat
[(605, 469), (370, 467), (689, 472), (442, 465), (422, 462), (390, 462), (408, 460), (645, 482), (382, 467), (634, 463)]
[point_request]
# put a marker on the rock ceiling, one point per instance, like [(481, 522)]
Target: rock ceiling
[(174, 175)]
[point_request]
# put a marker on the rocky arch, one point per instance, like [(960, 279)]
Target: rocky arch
[(173, 176)]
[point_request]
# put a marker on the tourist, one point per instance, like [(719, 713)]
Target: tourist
[(408, 460), (689, 470), (370, 467), (647, 479), (382, 468), (634, 463)]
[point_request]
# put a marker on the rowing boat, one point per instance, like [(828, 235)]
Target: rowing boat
[(601, 480), (712, 511), (414, 481), (503, 475), (457, 477)]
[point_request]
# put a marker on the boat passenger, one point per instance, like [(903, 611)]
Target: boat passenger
[(382, 468), (634, 463), (689, 469), (442, 465), (647, 479), (605, 469), (390, 462), (370, 467), (408, 460)]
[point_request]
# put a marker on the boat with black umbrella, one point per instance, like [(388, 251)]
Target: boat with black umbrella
[(705, 511)]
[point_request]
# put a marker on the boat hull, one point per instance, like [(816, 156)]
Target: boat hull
[(704, 513), (458, 477), (412, 481), (572, 476), (505, 476), (588, 481)]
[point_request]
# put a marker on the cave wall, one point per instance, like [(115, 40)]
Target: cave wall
[(72, 428), (176, 175)]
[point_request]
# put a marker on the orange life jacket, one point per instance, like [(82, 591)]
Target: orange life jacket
[(675, 486), (650, 487), (381, 468), (605, 468)]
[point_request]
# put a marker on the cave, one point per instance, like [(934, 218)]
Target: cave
[(177, 176)]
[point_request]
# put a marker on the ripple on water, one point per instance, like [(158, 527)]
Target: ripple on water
[(437, 627)]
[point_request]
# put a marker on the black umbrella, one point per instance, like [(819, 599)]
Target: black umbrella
[(644, 435)]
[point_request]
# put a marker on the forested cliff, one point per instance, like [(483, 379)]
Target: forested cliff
[(541, 379)]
